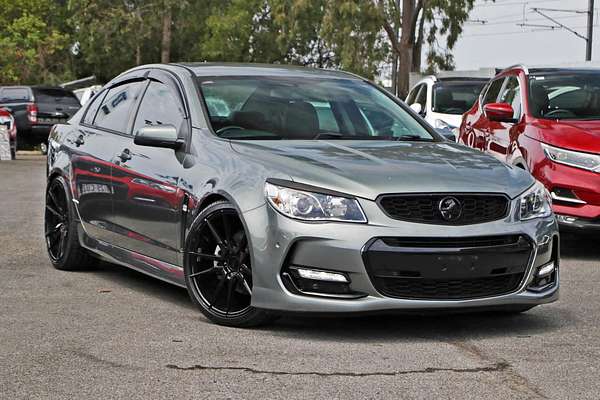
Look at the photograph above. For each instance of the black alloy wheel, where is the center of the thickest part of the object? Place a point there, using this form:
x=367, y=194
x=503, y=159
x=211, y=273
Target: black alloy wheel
x=218, y=269
x=60, y=229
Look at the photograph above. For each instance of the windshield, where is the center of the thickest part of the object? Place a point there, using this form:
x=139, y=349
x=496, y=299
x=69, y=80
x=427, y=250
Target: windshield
x=455, y=97
x=562, y=95
x=52, y=95
x=301, y=108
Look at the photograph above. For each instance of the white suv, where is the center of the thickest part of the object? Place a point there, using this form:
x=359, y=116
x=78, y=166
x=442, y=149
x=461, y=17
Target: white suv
x=443, y=101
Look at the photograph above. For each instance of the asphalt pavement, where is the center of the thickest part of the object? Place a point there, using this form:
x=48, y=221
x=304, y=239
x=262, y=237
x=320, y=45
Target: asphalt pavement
x=112, y=333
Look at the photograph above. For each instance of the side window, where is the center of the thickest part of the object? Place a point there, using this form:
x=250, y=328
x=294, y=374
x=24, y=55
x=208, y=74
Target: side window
x=413, y=95
x=160, y=106
x=493, y=91
x=512, y=95
x=422, y=97
x=91, y=111
x=116, y=107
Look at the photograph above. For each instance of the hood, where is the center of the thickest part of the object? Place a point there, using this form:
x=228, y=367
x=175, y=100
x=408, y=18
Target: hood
x=370, y=168
x=570, y=134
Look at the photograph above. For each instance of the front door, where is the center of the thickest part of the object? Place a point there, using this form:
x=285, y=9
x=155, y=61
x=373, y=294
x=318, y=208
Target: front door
x=500, y=132
x=148, y=200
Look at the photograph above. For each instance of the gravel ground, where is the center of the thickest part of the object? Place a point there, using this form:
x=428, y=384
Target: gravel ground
x=114, y=333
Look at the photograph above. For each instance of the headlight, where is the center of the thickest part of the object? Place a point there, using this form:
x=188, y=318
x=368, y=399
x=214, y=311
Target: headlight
x=535, y=203
x=311, y=206
x=591, y=162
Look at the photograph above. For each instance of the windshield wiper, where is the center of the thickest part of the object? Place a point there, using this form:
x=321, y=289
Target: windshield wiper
x=339, y=136
x=413, y=138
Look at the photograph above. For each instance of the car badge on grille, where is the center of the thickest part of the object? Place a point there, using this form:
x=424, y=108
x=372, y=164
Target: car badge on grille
x=450, y=208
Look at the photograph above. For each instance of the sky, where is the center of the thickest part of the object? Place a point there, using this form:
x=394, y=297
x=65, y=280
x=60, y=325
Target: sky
x=500, y=42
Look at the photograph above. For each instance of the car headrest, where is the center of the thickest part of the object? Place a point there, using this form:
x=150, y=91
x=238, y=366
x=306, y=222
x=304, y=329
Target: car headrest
x=249, y=119
x=301, y=120
x=538, y=99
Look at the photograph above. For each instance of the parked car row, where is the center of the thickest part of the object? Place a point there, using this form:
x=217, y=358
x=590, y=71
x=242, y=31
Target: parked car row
x=34, y=110
x=543, y=120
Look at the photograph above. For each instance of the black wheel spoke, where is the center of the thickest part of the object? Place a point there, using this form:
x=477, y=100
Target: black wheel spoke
x=54, y=230
x=206, y=271
x=246, y=286
x=53, y=211
x=207, y=256
x=227, y=229
x=53, y=198
x=230, y=286
x=214, y=233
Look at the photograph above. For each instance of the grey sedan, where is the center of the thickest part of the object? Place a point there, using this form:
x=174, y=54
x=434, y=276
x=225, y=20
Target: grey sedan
x=271, y=189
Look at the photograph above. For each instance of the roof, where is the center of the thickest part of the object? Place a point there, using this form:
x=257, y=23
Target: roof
x=233, y=69
x=578, y=70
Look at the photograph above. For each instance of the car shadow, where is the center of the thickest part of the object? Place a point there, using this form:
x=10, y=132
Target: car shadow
x=140, y=282
x=581, y=246
x=408, y=328
x=371, y=328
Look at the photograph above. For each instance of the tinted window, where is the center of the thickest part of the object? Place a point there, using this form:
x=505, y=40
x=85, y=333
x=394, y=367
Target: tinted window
x=14, y=95
x=160, y=106
x=54, y=95
x=116, y=108
x=93, y=109
x=493, y=91
x=455, y=97
x=565, y=95
x=305, y=108
x=413, y=95
x=422, y=97
x=511, y=94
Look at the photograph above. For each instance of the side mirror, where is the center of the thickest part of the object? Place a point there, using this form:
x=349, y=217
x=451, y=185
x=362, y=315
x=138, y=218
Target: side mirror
x=158, y=136
x=499, y=112
x=447, y=134
x=416, y=107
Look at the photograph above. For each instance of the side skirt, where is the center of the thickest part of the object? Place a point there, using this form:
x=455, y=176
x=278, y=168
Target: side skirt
x=157, y=269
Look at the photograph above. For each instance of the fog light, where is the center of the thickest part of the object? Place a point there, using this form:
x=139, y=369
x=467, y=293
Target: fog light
x=545, y=270
x=566, y=219
x=318, y=275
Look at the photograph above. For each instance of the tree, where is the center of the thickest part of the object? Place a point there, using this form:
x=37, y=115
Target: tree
x=34, y=42
x=411, y=17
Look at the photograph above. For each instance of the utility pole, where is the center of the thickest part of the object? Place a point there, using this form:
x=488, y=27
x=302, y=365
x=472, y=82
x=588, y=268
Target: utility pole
x=590, y=31
x=558, y=25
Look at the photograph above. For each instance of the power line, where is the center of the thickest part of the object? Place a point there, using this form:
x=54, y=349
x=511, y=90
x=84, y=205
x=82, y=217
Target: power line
x=511, y=3
x=521, y=32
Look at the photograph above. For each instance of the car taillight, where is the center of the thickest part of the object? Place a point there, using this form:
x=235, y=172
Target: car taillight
x=32, y=111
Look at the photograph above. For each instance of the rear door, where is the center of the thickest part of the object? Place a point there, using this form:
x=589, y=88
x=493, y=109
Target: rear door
x=148, y=200
x=54, y=105
x=93, y=146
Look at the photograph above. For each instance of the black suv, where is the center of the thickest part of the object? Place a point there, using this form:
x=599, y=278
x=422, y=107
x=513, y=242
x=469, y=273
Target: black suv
x=36, y=109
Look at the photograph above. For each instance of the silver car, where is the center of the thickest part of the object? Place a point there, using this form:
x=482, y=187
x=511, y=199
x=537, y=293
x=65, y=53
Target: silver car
x=305, y=191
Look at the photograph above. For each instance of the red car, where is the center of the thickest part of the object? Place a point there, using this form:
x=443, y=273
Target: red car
x=547, y=121
x=7, y=120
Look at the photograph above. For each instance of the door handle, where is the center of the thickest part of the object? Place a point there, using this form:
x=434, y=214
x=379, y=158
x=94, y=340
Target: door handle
x=79, y=141
x=125, y=155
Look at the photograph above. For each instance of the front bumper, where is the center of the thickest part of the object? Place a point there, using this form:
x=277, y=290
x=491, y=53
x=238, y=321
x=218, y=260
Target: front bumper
x=279, y=242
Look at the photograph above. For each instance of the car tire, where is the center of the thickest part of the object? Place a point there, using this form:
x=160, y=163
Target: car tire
x=217, y=268
x=60, y=229
x=44, y=148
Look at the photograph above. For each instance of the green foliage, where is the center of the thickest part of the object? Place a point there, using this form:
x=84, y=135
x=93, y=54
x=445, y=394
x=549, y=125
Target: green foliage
x=33, y=42
x=111, y=36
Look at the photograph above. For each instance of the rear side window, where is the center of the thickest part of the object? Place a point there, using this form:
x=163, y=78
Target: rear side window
x=160, y=106
x=93, y=109
x=115, y=110
x=413, y=95
x=422, y=97
x=14, y=95
x=55, y=95
x=493, y=91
